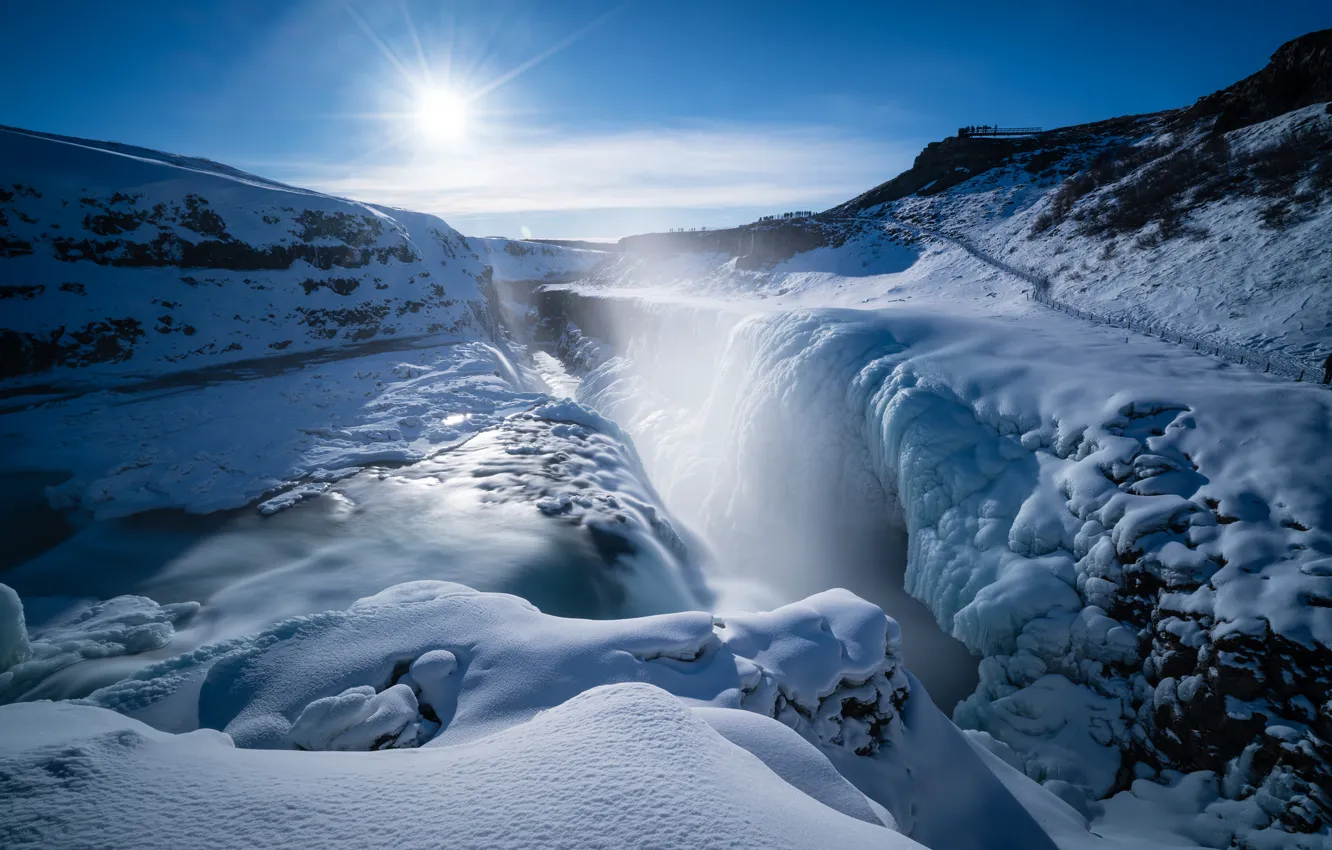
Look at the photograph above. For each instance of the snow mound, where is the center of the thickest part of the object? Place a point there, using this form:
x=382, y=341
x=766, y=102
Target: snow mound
x=440, y=665
x=793, y=759
x=358, y=719
x=828, y=667
x=619, y=766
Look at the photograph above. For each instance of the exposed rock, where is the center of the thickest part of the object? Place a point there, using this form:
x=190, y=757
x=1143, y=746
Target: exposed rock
x=1299, y=74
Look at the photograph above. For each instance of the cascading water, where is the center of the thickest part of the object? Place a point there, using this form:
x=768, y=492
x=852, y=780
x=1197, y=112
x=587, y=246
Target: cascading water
x=763, y=452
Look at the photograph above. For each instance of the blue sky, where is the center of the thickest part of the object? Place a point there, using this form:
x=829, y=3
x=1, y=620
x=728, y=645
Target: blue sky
x=599, y=119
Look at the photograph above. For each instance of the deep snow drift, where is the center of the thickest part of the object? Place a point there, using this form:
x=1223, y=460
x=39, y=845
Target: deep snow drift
x=506, y=702
x=548, y=783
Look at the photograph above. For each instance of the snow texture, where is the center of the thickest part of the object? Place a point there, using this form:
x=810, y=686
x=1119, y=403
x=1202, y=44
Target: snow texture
x=441, y=665
x=514, y=260
x=618, y=766
x=1136, y=538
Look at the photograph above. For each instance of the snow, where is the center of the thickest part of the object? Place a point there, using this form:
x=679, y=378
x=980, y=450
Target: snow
x=1241, y=283
x=515, y=260
x=814, y=689
x=795, y=760
x=514, y=660
x=192, y=445
x=359, y=719
x=278, y=270
x=551, y=781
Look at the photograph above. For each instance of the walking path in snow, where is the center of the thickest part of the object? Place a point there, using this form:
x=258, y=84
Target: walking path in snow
x=1040, y=292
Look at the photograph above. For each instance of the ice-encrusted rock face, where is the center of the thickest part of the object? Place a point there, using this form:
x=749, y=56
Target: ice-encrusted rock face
x=123, y=625
x=1188, y=639
x=1254, y=706
x=1207, y=684
x=124, y=258
x=14, y=646
x=1141, y=562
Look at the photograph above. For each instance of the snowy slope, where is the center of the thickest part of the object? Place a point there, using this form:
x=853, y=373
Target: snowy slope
x=514, y=260
x=126, y=261
x=1210, y=220
x=1224, y=270
x=550, y=783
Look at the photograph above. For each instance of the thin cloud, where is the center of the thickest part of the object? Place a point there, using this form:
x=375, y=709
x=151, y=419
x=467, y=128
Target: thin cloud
x=709, y=167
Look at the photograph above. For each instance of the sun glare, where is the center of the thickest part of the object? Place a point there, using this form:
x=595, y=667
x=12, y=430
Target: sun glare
x=440, y=115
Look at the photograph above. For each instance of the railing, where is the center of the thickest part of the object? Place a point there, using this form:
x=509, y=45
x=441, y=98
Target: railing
x=786, y=216
x=991, y=130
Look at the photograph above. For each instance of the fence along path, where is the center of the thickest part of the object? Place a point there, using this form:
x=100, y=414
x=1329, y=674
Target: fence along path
x=1259, y=361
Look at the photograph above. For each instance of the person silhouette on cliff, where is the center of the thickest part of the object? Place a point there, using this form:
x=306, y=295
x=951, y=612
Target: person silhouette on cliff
x=1327, y=370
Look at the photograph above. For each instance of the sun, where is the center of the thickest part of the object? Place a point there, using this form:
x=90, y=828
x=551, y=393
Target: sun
x=440, y=114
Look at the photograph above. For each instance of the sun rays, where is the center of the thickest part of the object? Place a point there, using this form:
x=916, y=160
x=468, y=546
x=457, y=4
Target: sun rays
x=433, y=104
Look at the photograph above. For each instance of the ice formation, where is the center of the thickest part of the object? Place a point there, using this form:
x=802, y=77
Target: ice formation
x=1101, y=537
x=125, y=625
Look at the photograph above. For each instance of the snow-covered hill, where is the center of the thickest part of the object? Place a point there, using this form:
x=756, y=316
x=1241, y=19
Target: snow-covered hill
x=523, y=261
x=1208, y=221
x=133, y=262
x=1212, y=219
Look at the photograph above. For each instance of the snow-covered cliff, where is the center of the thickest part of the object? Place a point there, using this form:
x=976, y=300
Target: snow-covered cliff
x=130, y=262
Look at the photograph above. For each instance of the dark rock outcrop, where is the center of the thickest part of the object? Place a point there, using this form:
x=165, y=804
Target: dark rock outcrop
x=1298, y=75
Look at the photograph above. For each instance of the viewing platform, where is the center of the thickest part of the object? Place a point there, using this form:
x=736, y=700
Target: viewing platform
x=991, y=130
